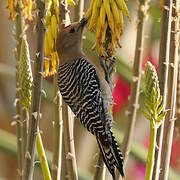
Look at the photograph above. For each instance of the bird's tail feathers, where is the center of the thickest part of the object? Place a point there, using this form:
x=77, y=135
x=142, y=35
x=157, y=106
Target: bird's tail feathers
x=118, y=156
x=112, y=156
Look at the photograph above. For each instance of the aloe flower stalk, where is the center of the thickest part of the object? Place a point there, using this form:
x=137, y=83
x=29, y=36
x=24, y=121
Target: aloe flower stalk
x=154, y=112
x=25, y=82
x=25, y=75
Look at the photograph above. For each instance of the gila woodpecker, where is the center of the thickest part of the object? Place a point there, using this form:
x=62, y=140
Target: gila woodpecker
x=87, y=94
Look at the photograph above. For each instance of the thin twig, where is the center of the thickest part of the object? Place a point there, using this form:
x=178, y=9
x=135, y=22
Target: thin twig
x=36, y=95
x=135, y=85
x=172, y=88
x=18, y=37
x=163, y=76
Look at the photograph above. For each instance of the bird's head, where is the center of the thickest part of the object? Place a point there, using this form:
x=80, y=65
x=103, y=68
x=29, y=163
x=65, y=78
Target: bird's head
x=70, y=37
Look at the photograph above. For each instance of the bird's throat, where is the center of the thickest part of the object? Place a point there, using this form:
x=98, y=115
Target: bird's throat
x=68, y=56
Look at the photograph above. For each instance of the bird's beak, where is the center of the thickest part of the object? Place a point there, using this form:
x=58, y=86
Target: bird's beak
x=82, y=23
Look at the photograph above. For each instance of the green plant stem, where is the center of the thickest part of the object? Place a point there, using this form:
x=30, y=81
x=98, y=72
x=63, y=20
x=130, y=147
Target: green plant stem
x=135, y=85
x=42, y=157
x=172, y=89
x=163, y=76
x=36, y=95
x=25, y=119
x=18, y=37
x=151, y=152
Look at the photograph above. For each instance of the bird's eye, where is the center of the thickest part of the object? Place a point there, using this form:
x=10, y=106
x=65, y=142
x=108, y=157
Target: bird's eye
x=72, y=30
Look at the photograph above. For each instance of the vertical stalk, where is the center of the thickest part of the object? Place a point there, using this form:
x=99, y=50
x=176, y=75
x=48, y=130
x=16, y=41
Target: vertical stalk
x=25, y=119
x=99, y=167
x=69, y=143
x=63, y=169
x=178, y=100
x=79, y=10
x=57, y=133
x=58, y=122
x=63, y=163
x=172, y=88
x=151, y=152
x=163, y=76
x=36, y=94
x=18, y=37
x=135, y=85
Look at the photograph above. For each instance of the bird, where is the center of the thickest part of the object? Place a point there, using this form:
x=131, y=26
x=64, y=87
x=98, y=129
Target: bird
x=87, y=93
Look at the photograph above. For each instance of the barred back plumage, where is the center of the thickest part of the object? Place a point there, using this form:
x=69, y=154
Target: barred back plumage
x=80, y=88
